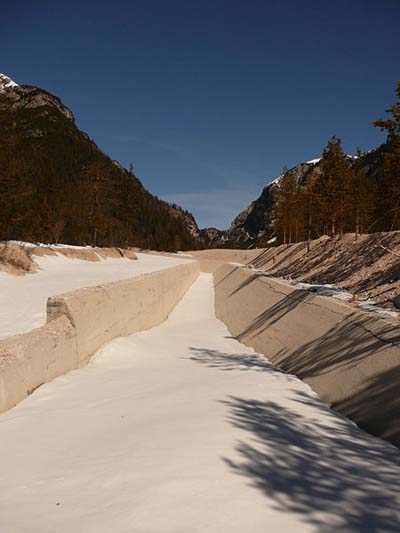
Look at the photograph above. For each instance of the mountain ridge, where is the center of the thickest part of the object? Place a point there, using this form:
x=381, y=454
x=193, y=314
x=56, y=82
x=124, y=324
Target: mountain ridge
x=58, y=186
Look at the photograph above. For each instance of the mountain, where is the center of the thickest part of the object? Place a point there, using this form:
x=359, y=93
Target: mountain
x=213, y=237
x=254, y=225
x=187, y=219
x=56, y=185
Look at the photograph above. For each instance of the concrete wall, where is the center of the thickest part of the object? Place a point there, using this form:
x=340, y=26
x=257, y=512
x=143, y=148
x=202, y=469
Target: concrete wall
x=349, y=357
x=80, y=322
x=102, y=313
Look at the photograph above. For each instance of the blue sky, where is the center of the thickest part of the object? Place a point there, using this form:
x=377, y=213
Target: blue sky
x=210, y=99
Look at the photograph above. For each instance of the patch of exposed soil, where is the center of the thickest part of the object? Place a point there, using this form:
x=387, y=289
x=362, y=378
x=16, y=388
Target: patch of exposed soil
x=15, y=259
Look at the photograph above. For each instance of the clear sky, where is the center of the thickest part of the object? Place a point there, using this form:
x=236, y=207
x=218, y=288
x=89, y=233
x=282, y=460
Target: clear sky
x=210, y=99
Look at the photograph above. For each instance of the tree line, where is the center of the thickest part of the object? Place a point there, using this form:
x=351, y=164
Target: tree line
x=343, y=194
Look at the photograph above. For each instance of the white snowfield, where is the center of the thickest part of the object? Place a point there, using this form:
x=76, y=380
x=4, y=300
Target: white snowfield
x=23, y=298
x=182, y=429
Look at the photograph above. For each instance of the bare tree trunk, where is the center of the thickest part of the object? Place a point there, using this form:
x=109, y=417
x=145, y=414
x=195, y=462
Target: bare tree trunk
x=357, y=225
x=395, y=216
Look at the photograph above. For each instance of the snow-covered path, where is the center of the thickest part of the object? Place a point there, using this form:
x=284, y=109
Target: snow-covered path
x=23, y=298
x=181, y=429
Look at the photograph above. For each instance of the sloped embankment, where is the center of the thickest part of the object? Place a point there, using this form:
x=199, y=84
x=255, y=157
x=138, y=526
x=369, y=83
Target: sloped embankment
x=368, y=267
x=349, y=357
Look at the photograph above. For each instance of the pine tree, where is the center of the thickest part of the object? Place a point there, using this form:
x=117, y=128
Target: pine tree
x=285, y=207
x=363, y=196
x=389, y=187
x=334, y=187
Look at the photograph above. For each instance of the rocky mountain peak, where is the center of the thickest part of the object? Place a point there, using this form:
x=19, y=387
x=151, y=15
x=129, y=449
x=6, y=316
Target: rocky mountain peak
x=29, y=97
x=6, y=82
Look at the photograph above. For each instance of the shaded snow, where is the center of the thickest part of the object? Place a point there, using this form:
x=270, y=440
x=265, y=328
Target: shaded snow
x=371, y=305
x=324, y=290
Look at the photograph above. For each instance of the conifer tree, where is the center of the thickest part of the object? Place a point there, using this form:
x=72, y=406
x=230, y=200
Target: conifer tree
x=363, y=195
x=285, y=207
x=389, y=186
x=334, y=187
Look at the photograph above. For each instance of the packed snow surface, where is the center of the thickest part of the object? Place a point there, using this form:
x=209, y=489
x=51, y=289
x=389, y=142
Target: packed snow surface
x=23, y=298
x=183, y=429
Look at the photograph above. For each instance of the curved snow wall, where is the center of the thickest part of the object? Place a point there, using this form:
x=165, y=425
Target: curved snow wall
x=80, y=322
x=350, y=358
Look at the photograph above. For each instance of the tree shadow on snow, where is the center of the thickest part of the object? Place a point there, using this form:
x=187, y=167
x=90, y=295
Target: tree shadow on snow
x=310, y=461
x=332, y=474
x=231, y=361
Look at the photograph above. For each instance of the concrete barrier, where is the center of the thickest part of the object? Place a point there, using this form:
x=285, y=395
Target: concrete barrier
x=102, y=313
x=29, y=360
x=80, y=322
x=349, y=357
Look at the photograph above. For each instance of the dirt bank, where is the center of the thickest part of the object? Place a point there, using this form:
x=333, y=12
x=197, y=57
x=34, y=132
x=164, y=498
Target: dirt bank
x=19, y=258
x=367, y=267
x=16, y=259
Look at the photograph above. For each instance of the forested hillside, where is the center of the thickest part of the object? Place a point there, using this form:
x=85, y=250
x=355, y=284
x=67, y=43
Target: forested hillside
x=329, y=196
x=57, y=186
x=358, y=195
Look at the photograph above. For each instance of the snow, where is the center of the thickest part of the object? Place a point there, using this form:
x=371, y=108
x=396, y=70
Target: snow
x=26, y=244
x=334, y=292
x=183, y=429
x=6, y=82
x=371, y=305
x=314, y=161
x=183, y=254
x=323, y=290
x=23, y=298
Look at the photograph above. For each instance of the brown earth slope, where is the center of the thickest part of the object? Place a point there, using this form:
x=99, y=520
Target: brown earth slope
x=368, y=267
x=19, y=259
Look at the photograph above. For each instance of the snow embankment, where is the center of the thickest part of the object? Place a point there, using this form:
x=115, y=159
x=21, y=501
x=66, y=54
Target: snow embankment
x=23, y=299
x=184, y=429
